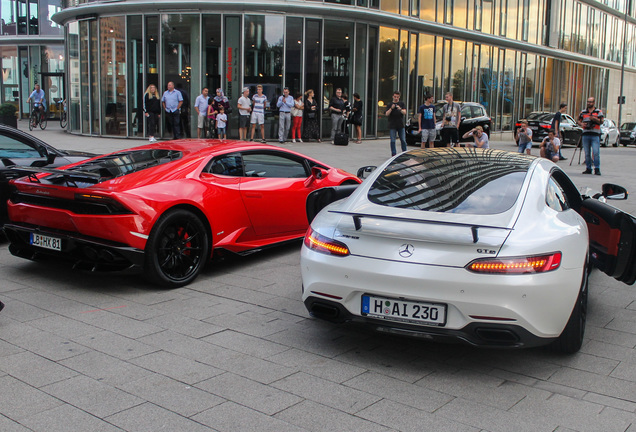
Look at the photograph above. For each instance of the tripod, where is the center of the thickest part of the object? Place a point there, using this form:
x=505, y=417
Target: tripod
x=579, y=147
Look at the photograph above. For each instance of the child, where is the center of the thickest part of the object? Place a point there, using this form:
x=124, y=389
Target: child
x=211, y=118
x=297, y=117
x=221, y=122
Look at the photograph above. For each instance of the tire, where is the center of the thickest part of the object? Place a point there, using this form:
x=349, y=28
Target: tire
x=177, y=249
x=618, y=141
x=43, y=122
x=571, y=338
x=606, y=142
x=63, y=120
x=33, y=121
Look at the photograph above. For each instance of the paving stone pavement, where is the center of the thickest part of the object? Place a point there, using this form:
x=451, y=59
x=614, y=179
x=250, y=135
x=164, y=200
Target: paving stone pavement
x=236, y=350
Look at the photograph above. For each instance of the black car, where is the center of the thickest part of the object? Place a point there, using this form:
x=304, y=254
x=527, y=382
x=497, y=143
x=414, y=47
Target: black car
x=628, y=133
x=540, y=122
x=18, y=148
x=472, y=114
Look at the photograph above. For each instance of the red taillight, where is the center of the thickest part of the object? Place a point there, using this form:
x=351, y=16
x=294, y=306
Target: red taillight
x=517, y=124
x=517, y=265
x=320, y=243
x=545, y=126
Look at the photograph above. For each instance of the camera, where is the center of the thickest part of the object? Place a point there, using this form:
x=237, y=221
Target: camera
x=448, y=118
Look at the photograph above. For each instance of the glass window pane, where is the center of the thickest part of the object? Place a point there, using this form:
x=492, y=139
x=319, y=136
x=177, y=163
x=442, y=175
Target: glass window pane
x=263, y=47
x=9, y=25
x=389, y=70
x=181, y=53
x=113, y=75
x=47, y=9
x=294, y=55
x=337, y=59
x=135, y=76
x=392, y=6
x=10, y=75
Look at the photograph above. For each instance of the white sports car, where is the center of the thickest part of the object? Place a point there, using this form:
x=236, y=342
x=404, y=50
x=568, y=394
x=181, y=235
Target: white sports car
x=489, y=247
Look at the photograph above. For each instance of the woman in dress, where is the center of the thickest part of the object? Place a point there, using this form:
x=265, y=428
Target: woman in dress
x=312, y=115
x=152, y=110
x=356, y=117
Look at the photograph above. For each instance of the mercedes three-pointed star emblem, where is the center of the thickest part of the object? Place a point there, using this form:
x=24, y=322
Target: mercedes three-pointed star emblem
x=406, y=250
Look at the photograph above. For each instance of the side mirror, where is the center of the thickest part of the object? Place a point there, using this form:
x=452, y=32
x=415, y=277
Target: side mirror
x=318, y=173
x=613, y=191
x=321, y=198
x=365, y=171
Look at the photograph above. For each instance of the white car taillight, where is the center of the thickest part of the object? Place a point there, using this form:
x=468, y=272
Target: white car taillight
x=326, y=245
x=516, y=265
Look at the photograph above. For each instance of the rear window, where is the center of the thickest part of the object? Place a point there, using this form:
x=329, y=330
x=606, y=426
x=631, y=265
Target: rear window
x=628, y=126
x=540, y=116
x=127, y=162
x=452, y=181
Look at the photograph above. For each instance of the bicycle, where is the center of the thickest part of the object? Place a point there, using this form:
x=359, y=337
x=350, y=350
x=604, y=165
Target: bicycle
x=37, y=117
x=63, y=118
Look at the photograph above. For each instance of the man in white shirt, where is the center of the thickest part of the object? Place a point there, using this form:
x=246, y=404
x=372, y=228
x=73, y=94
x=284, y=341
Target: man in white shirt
x=201, y=107
x=245, y=108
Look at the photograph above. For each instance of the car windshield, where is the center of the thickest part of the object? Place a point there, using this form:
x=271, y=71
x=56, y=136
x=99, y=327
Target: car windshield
x=452, y=181
x=628, y=126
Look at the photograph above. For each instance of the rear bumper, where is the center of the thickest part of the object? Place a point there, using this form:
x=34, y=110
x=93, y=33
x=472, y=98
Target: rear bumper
x=491, y=335
x=83, y=251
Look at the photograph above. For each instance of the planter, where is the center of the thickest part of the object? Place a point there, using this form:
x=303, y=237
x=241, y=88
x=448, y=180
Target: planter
x=11, y=120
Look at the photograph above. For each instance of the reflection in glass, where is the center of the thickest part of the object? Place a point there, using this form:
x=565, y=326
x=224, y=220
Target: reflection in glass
x=212, y=53
x=337, y=64
x=264, y=42
x=135, y=76
x=294, y=55
x=8, y=23
x=388, y=73
x=113, y=74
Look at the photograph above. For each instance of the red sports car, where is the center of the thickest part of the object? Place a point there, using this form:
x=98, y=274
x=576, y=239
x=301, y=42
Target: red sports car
x=166, y=207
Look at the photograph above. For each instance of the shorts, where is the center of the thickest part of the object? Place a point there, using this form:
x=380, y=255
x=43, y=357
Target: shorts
x=525, y=146
x=428, y=135
x=549, y=154
x=258, y=118
x=201, y=120
x=220, y=131
x=449, y=135
x=244, y=121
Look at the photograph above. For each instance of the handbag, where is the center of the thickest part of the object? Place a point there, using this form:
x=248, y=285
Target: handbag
x=311, y=115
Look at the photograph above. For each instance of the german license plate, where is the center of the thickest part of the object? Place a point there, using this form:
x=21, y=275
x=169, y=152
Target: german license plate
x=414, y=312
x=46, y=242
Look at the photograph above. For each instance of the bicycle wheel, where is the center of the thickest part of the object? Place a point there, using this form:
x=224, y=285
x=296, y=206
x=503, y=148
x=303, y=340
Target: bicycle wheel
x=33, y=121
x=43, y=121
x=63, y=119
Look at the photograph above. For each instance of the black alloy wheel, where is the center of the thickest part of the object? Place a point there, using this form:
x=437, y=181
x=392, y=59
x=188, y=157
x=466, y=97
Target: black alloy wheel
x=571, y=338
x=177, y=249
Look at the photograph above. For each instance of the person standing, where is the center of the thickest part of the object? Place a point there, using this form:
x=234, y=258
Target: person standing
x=524, y=137
x=356, y=117
x=152, y=110
x=590, y=119
x=258, y=112
x=245, y=108
x=336, y=107
x=396, y=113
x=221, y=123
x=312, y=131
x=285, y=104
x=211, y=120
x=185, y=110
x=556, y=126
x=426, y=120
x=297, y=117
x=450, y=121
x=479, y=137
x=172, y=101
x=201, y=107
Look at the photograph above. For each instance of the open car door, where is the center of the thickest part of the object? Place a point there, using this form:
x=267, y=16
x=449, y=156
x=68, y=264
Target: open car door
x=612, y=239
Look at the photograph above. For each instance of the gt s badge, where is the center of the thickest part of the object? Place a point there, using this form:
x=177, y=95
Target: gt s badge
x=486, y=251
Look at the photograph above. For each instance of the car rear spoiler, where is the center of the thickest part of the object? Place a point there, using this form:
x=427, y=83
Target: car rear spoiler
x=474, y=228
x=69, y=176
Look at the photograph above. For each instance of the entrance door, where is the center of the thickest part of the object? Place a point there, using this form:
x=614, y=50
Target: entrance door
x=53, y=86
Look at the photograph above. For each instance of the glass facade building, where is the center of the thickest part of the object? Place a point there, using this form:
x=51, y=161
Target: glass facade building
x=32, y=50
x=513, y=56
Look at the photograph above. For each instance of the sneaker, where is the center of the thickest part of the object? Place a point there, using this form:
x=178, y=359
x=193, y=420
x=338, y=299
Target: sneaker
x=597, y=171
x=293, y=140
x=263, y=141
x=299, y=140
x=587, y=171
x=562, y=158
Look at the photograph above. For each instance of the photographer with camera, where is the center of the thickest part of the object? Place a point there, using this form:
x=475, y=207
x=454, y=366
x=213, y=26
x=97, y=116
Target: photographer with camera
x=451, y=121
x=590, y=120
x=395, y=113
x=481, y=138
x=523, y=136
